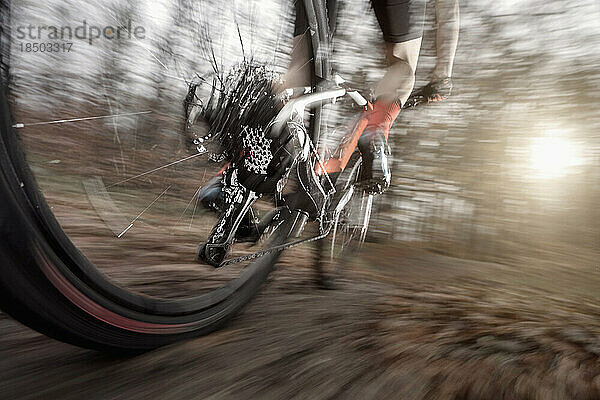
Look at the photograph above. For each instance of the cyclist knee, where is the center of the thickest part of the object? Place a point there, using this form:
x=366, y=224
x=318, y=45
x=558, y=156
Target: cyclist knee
x=397, y=83
x=405, y=52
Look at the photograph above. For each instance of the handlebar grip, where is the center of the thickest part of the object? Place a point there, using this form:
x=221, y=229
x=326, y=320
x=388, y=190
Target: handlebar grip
x=354, y=95
x=358, y=98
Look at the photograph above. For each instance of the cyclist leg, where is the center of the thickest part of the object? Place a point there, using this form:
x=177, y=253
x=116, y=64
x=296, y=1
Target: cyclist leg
x=299, y=70
x=399, y=80
x=439, y=88
x=299, y=73
x=402, y=25
x=447, y=16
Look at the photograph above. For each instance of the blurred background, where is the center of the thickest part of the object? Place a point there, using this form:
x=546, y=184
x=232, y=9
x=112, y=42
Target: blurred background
x=484, y=254
x=507, y=167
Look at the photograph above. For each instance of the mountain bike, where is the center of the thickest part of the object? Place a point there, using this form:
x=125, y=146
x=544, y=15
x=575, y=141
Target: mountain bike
x=98, y=231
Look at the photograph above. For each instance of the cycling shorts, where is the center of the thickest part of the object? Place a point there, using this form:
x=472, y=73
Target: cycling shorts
x=399, y=20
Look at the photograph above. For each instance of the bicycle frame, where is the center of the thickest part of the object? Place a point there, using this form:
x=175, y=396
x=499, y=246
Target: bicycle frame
x=301, y=204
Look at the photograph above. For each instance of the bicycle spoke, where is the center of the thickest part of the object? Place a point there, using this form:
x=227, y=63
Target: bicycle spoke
x=155, y=170
x=367, y=218
x=116, y=129
x=188, y=205
x=63, y=121
x=335, y=227
x=143, y=211
x=194, y=212
x=302, y=66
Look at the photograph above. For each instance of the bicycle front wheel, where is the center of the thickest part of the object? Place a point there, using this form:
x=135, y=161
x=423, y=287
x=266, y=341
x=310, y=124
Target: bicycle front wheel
x=99, y=172
x=350, y=212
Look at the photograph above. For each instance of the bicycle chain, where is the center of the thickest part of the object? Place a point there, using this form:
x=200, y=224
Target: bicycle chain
x=281, y=247
x=278, y=248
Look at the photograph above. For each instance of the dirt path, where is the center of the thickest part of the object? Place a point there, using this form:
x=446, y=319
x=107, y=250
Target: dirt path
x=410, y=325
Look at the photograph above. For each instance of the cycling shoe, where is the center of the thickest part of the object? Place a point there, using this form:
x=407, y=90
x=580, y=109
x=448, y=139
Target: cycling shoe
x=436, y=90
x=375, y=174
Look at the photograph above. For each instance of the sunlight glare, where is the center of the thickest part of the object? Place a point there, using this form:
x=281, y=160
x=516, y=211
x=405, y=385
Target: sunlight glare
x=552, y=155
